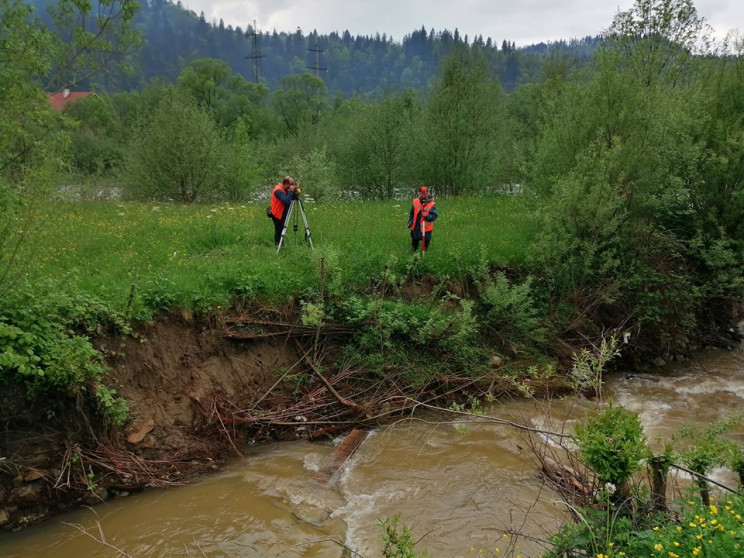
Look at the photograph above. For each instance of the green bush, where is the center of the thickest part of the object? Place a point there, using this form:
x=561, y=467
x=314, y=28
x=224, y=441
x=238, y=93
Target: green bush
x=508, y=310
x=399, y=543
x=612, y=443
x=45, y=335
x=393, y=334
x=177, y=154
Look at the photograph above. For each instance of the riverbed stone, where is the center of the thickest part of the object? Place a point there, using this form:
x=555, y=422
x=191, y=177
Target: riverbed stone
x=26, y=494
x=658, y=362
x=496, y=361
x=4, y=517
x=95, y=496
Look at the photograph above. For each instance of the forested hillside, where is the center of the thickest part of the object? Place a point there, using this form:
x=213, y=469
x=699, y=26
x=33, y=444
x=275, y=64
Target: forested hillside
x=350, y=65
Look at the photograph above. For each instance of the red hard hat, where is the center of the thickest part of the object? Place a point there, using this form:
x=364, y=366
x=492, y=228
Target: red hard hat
x=423, y=190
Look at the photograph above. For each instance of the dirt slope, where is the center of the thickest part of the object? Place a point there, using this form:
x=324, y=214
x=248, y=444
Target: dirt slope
x=171, y=373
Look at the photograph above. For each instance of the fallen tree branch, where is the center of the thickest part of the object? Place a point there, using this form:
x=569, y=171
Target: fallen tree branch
x=341, y=399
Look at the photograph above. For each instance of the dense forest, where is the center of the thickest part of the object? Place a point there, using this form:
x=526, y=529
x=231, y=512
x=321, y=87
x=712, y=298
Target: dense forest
x=173, y=37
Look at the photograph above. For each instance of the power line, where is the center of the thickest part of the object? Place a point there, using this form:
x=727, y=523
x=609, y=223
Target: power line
x=317, y=67
x=255, y=55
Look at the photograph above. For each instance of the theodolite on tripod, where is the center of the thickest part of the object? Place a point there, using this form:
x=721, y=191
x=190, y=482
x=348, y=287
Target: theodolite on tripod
x=292, y=211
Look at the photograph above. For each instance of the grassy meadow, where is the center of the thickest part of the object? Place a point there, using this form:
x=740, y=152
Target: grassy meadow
x=200, y=256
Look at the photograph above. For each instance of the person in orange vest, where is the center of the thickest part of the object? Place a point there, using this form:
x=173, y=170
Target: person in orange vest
x=281, y=199
x=421, y=219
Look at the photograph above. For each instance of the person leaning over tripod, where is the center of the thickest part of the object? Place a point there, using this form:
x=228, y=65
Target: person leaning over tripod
x=423, y=212
x=281, y=199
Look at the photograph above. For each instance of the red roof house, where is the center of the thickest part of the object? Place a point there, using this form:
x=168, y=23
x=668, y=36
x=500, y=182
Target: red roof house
x=61, y=98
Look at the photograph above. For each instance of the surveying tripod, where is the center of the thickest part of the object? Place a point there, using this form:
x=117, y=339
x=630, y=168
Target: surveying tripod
x=296, y=202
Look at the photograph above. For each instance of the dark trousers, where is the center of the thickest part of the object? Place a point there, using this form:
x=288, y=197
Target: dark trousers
x=278, y=226
x=416, y=238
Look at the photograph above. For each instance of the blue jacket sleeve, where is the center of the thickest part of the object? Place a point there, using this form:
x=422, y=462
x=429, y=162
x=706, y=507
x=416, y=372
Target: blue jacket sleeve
x=284, y=197
x=432, y=216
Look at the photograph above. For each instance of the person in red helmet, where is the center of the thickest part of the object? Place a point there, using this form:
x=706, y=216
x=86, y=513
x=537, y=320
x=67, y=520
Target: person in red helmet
x=421, y=219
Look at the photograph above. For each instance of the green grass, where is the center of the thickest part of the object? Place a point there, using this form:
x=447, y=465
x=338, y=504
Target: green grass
x=202, y=255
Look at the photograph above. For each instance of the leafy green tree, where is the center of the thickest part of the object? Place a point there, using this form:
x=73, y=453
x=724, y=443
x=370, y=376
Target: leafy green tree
x=458, y=137
x=96, y=145
x=616, y=165
x=25, y=116
x=300, y=100
x=658, y=38
x=86, y=43
x=612, y=443
x=228, y=97
x=177, y=155
x=719, y=200
x=376, y=145
x=131, y=107
x=206, y=80
x=38, y=58
x=316, y=173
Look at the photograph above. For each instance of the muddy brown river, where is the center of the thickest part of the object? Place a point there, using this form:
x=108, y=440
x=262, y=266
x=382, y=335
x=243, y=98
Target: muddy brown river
x=459, y=485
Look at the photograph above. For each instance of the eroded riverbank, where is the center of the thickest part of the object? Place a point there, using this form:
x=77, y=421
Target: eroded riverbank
x=459, y=484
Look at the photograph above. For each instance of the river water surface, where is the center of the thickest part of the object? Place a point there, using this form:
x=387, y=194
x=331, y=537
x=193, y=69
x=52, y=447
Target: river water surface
x=459, y=485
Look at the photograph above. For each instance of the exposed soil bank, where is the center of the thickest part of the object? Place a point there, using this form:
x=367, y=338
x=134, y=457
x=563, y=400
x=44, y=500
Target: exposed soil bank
x=172, y=373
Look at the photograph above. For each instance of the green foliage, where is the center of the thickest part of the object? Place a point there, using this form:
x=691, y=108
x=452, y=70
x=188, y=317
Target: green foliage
x=508, y=310
x=176, y=155
x=612, y=443
x=95, y=145
x=394, y=335
x=46, y=347
x=113, y=407
x=602, y=534
x=57, y=56
x=463, y=125
x=26, y=163
x=586, y=372
x=618, y=174
x=375, y=146
x=90, y=39
x=232, y=101
x=711, y=530
x=399, y=543
x=300, y=100
x=656, y=38
x=159, y=294
x=701, y=449
x=242, y=171
x=316, y=173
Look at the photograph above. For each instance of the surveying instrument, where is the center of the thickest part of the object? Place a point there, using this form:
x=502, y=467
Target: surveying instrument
x=293, y=211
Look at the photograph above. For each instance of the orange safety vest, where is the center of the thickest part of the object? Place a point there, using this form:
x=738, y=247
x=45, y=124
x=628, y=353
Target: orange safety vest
x=424, y=210
x=277, y=207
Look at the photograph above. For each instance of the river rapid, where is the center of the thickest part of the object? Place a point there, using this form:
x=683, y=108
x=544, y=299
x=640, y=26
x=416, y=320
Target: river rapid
x=461, y=485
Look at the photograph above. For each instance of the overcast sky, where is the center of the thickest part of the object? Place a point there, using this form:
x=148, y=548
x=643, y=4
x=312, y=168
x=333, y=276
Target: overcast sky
x=521, y=21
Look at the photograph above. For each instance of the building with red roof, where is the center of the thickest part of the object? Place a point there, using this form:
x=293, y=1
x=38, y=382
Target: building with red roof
x=60, y=99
